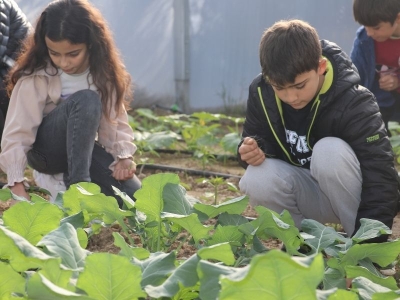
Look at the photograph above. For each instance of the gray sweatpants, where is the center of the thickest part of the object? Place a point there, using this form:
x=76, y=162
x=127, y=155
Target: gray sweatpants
x=330, y=192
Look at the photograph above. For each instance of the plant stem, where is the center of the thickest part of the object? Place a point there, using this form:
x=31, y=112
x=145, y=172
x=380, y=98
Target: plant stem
x=181, y=243
x=159, y=236
x=239, y=261
x=215, y=194
x=126, y=230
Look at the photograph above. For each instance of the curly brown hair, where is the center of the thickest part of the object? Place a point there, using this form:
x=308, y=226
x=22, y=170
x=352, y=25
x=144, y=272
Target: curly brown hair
x=78, y=22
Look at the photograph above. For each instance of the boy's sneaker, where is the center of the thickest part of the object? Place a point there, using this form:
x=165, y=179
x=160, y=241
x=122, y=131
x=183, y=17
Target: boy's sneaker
x=52, y=183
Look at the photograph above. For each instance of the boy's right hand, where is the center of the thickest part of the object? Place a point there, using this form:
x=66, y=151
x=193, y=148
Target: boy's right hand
x=250, y=152
x=19, y=189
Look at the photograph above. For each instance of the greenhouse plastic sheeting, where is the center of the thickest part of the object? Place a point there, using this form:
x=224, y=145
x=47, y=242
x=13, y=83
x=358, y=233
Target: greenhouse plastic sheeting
x=214, y=63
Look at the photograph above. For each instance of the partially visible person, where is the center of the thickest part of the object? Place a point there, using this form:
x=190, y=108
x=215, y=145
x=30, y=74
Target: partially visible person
x=67, y=116
x=14, y=27
x=376, y=53
x=313, y=140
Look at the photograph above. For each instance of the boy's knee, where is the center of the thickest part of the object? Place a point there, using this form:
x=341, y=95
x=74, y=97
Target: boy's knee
x=263, y=180
x=331, y=152
x=332, y=156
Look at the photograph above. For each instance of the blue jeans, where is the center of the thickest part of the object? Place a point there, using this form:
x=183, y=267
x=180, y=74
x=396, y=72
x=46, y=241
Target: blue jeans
x=65, y=143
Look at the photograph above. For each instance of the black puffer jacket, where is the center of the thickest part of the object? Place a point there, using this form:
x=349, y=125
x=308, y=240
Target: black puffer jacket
x=14, y=27
x=347, y=111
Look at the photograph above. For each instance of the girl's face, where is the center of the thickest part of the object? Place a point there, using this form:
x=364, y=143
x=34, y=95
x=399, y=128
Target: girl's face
x=70, y=58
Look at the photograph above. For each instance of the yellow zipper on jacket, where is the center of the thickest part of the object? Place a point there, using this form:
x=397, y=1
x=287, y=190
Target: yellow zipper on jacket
x=272, y=129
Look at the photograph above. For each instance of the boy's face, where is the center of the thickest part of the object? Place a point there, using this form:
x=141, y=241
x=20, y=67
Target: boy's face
x=304, y=88
x=384, y=30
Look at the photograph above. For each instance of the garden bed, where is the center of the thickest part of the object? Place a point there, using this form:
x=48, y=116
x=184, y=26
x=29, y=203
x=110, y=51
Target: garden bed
x=211, y=245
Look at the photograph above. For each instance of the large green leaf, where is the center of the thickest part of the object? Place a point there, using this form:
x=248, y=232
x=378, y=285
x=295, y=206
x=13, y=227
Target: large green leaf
x=383, y=253
x=270, y=223
x=209, y=274
x=175, y=200
x=191, y=223
x=5, y=194
x=32, y=221
x=53, y=271
x=386, y=295
x=366, y=288
x=370, y=229
x=149, y=198
x=21, y=254
x=223, y=234
x=336, y=294
x=227, y=219
x=230, y=142
x=106, y=206
x=156, y=269
x=160, y=140
x=128, y=201
x=185, y=274
x=147, y=113
x=233, y=206
x=334, y=278
x=127, y=250
x=40, y=288
x=324, y=236
x=111, y=277
x=206, y=116
x=10, y=281
x=76, y=220
x=63, y=242
x=76, y=192
x=275, y=275
x=354, y=271
x=222, y=252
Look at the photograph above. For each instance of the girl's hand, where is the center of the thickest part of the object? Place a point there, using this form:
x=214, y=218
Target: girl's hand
x=19, y=189
x=124, y=169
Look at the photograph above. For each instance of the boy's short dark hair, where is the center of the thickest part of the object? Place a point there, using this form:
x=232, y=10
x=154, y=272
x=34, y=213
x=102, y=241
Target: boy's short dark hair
x=287, y=49
x=371, y=12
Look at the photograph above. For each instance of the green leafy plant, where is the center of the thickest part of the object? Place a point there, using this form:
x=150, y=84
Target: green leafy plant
x=215, y=182
x=43, y=255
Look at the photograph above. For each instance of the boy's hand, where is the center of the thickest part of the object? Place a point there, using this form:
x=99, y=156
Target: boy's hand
x=389, y=82
x=19, y=189
x=124, y=169
x=250, y=152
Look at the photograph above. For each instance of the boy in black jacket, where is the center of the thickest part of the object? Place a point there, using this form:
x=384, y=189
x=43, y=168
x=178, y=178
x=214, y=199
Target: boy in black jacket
x=314, y=142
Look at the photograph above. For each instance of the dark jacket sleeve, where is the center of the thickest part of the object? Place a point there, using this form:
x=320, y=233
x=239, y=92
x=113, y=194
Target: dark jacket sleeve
x=256, y=125
x=18, y=28
x=363, y=129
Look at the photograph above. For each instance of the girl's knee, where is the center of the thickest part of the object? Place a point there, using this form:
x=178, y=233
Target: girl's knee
x=88, y=98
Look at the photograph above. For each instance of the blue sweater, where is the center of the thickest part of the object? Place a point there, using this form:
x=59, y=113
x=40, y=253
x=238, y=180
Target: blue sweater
x=363, y=56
